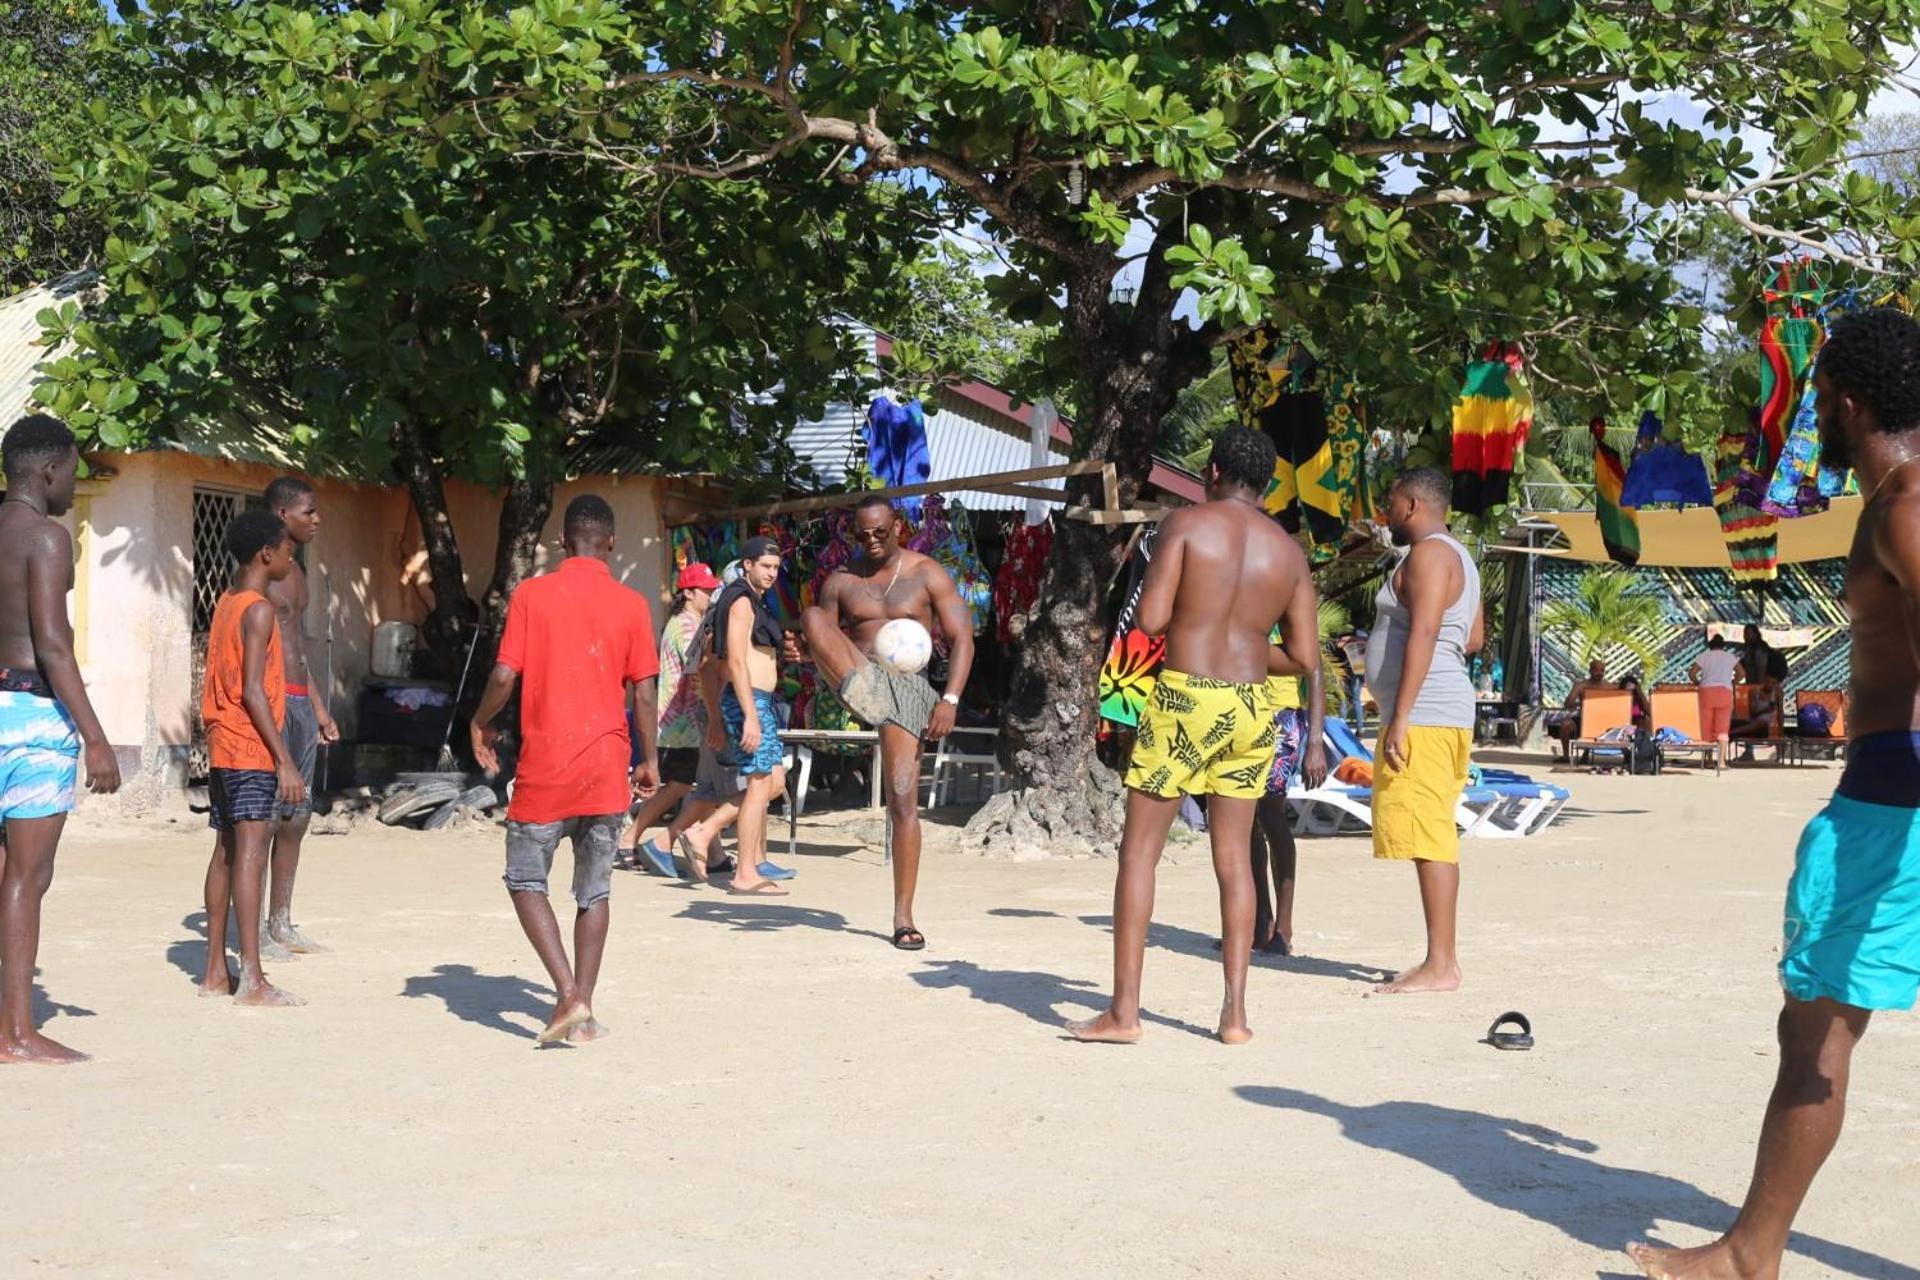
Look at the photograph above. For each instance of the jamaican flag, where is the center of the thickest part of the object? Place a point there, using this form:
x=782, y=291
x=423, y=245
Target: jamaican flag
x=1619, y=526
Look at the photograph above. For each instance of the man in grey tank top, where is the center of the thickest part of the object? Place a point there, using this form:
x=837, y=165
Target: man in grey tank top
x=1427, y=620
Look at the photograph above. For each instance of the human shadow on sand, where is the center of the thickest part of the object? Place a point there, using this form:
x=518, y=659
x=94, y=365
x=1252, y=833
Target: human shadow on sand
x=485, y=999
x=1205, y=946
x=768, y=917
x=1032, y=992
x=1545, y=1175
x=189, y=955
x=44, y=1007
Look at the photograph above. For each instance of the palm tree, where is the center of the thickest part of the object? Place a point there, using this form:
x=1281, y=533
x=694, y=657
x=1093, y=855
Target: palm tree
x=1609, y=613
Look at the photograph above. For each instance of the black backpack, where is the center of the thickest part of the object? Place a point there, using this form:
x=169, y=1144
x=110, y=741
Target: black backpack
x=1644, y=756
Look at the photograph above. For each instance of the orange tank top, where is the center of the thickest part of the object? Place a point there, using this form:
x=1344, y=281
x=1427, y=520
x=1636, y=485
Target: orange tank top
x=232, y=741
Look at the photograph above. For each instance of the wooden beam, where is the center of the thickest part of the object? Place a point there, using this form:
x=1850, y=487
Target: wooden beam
x=829, y=501
x=1134, y=516
x=1023, y=491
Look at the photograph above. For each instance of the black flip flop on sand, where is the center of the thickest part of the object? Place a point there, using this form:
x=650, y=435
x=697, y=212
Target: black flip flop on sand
x=908, y=938
x=1511, y=1040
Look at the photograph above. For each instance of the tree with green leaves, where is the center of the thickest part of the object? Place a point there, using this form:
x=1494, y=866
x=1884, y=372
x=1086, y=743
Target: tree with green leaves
x=1399, y=182
x=1613, y=610
x=48, y=74
x=310, y=232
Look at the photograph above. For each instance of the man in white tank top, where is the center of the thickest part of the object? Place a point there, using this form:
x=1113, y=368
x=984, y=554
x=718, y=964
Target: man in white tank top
x=1427, y=620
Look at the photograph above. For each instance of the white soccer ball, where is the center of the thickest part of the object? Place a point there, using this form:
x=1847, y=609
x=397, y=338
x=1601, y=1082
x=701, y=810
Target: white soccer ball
x=903, y=647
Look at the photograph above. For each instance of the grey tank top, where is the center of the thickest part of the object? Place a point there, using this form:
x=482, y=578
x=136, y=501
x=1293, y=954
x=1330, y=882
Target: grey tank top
x=1446, y=696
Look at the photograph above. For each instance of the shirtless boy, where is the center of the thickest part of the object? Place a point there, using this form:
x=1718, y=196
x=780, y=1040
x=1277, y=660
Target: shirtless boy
x=243, y=703
x=886, y=582
x=1852, y=942
x=308, y=723
x=45, y=717
x=1223, y=574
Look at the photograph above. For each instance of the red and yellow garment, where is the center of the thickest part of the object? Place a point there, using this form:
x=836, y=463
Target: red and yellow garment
x=1491, y=420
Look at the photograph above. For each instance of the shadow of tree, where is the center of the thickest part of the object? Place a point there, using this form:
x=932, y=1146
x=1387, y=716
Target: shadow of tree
x=1032, y=993
x=1205, y=946
x=767, y=917
x=1547, y=1176
x=485, y=999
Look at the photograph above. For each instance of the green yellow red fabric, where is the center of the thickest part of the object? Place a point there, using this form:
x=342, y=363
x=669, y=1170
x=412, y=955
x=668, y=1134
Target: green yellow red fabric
x=1619, y=526
x=1311, y=412
x=1491, y=419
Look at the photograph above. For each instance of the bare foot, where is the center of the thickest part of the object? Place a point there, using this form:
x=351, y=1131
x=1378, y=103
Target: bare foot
x=590, y=1030
x=287, y=935
x=1715, y=1261
x=261, y=994
x=566, y=1018
x=220, y=986
x=1233, y=1027
x=36, y=1048
x=1105, y=1029
x=272, y=949
x=1427, y=977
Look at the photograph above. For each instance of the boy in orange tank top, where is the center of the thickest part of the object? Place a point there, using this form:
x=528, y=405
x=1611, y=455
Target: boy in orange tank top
x=243, y=705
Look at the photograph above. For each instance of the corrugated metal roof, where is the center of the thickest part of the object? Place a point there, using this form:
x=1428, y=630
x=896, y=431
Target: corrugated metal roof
x=20, y=351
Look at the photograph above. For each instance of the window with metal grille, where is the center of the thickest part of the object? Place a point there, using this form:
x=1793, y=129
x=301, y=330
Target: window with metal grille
x=213, y=512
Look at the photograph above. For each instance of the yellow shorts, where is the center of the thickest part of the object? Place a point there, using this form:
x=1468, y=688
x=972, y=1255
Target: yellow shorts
x=1413, y=808
x=1200, y=736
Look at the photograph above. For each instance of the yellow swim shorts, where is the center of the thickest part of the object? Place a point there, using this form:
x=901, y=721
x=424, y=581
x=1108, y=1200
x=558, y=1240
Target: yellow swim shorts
x=1413, y=808
x=1200, y=736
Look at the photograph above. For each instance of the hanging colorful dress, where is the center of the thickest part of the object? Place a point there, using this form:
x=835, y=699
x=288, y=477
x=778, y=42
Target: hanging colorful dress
x=1017, y=585
x=897, y=448
x=1753, y=542
x=1491, y=419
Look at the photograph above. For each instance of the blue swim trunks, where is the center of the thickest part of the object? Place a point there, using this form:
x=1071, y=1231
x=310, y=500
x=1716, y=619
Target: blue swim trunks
x=1853, y=907
x=767, y=758
x=39, y=756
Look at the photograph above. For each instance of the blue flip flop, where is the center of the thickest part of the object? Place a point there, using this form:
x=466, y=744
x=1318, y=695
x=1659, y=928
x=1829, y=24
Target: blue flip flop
x=657, y=858
x=772, y=872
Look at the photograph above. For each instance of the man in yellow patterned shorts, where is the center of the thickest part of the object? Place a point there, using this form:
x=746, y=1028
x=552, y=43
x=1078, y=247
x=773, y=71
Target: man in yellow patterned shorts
x=1223, y=574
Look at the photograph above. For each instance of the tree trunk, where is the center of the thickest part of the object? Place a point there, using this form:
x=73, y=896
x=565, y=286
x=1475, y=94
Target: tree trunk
x=1066, y=803
x=449, y=623
x=523, y=514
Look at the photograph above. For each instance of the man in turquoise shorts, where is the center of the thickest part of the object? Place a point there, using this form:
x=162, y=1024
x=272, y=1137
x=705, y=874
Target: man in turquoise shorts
x=1852, y=942
x=46, y=721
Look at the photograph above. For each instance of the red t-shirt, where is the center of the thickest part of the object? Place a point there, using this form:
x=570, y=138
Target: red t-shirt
x=578, y=639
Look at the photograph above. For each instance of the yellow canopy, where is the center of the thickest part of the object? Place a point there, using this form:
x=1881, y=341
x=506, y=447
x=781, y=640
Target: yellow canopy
x=1690, y=539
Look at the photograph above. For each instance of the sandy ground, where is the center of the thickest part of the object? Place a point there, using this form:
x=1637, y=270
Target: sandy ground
x=786, y=1095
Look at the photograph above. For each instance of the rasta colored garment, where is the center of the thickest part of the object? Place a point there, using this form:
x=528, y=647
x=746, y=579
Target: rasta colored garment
x=1619, y=527
x=897, y=446
x=1491, y=420
x=1753, y=544
x=1133, y=658
x=1202, y=736
x=232, y=741
x=1311, y=413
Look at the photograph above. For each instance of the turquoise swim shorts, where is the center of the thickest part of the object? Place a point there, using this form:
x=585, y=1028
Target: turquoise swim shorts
x=1853, y=907
x=39, y=756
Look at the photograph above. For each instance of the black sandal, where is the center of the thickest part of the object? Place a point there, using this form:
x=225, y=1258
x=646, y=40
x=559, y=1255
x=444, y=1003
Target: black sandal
x=1511, y=1040
x=908, y=938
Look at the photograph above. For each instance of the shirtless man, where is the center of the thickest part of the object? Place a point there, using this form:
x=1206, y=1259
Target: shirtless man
x=887, y=582
x=1852, y=941
x=1223, y=574
x=45, y=718
x=308, y=723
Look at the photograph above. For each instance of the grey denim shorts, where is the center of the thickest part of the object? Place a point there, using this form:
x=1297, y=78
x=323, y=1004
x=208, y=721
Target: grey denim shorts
x=530, y=847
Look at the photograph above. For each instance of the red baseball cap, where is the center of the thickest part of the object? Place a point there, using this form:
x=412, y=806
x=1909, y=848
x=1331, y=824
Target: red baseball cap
x=697, y=576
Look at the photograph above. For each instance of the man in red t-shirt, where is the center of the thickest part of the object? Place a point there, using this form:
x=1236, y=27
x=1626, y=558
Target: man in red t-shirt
x=581, y=645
